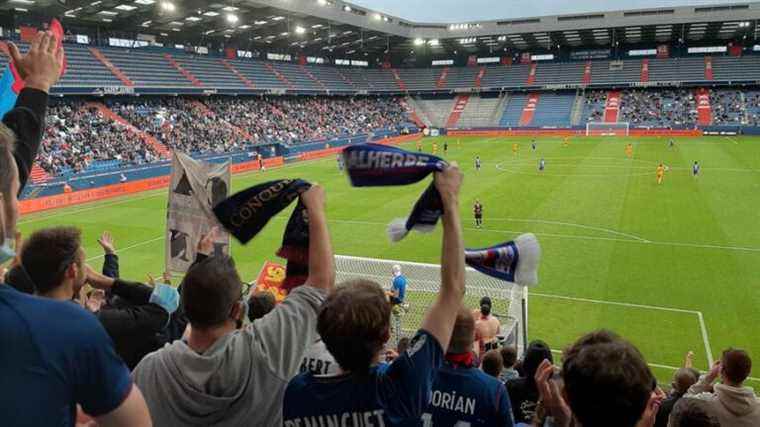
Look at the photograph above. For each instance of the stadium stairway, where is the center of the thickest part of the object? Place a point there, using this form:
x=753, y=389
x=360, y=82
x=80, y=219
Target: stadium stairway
x=249, y=84
x=576, y=113
x=587, y=73
x=279, y=76
x=644, y=78
x=188, y=75
x=400, y=83
x=313, y=77
x=513, y=110
x=38, y=175
x=704, y=111
x=612, y=106
x=459, y=105
x=441, y=82
x=479, y=77
x=529, y=111
x=111, y=67
x=160, y=148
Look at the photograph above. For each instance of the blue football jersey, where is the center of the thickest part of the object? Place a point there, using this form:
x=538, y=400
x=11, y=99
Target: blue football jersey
x=467, y=397
x=398, y=394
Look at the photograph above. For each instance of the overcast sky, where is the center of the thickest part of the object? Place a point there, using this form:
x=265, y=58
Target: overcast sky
x=452, y=11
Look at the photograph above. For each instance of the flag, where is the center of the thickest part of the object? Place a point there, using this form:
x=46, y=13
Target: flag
x=194, y=189
x=515, y=261
x=11, y=82
x=370, y=165
x=270, y=279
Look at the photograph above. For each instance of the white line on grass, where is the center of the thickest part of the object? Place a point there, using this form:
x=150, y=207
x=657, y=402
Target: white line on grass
x=622, y=304
x=572, y=224
x=126, y=248
x=706, y=341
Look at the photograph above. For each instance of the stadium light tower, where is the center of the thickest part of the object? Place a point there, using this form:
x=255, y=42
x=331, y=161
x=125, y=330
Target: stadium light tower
x=168, y=6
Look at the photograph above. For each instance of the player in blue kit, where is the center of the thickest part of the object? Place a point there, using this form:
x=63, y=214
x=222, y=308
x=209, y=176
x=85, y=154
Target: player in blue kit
x=462, y=393
x=354, y=324
x=477, y=163
x=695, y=169
x=541, y=165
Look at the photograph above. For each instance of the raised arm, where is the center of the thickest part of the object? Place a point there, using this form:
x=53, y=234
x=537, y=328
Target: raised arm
x=439, y=320
x=321, y=258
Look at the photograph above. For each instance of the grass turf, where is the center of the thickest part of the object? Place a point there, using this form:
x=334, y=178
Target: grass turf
x=609, y=233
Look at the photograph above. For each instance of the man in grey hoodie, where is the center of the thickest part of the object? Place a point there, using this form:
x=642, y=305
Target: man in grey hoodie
x=734, y=404
x=218, y=375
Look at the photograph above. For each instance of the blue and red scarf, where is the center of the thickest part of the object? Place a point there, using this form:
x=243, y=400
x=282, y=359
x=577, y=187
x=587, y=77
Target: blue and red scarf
x=515, y=261
x=376, y=165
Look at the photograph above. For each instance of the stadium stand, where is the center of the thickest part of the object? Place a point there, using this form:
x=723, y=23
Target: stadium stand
x=554, y=109
x=513, y=110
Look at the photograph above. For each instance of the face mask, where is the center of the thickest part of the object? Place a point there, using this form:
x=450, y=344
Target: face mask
x=6, y=251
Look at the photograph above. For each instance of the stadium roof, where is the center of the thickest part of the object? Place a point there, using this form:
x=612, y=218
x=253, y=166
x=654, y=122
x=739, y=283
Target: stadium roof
x=455, y=11
x=335, y=27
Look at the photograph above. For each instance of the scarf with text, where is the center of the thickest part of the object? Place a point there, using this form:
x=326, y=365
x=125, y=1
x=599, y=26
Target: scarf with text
x=376, y=165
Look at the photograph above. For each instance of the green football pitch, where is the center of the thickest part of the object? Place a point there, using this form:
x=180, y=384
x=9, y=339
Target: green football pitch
x=672, y=267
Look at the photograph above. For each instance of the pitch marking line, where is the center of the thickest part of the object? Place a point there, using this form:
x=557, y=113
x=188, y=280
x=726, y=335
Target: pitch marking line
x=571, y=224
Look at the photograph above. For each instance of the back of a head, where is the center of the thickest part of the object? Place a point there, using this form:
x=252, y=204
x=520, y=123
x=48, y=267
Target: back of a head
x=354, y=324
x=607, y=382
x=508, y=356
x=736, y=366
x=492, y=363
x=17, y=278
x=463, y=334
x=260, y=304
x=691, y=412
x=485, y=306
x=209, y=291
x=536, y=352
x=683, y=379
x=48, y=253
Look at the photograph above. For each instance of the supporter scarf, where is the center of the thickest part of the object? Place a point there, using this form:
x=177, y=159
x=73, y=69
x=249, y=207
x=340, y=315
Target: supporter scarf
x=11, y=82
x=246, y=213
x=514, y=261
x=375, y=165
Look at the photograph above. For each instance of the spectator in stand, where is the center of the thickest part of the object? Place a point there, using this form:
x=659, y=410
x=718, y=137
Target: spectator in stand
x=462, y=394
x=486, y=327
x=354, y=323
x=64, y=357
x=492, y=363
x=690, y=412
x=509, y=359
x=522, y=391
x=734, y=404
x=260, y=303
x=682, y=380
x=221, y=375
x=606, y=383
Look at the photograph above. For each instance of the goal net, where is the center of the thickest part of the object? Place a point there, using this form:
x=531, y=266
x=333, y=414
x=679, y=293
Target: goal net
x=509, y=301
x=607, y=129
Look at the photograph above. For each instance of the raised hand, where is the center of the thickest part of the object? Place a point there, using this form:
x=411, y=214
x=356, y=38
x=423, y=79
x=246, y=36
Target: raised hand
x=206, y=244
x=551, y=396
x=448, y=183
x=40, y=68
x=314, y=197
x=106, y=242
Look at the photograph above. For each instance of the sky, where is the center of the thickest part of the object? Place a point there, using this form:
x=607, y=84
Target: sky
x=460, y=11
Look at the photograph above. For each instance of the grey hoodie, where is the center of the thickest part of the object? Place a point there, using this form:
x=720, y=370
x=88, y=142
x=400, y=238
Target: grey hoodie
x=734, y=406
x=241, y=378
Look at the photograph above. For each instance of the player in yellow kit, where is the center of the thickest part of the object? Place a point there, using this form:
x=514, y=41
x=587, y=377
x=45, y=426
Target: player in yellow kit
x=660, y=173
x=435, y=148
x=629, y=150
x=515, y=147
x=566, y=142
x=419, y=146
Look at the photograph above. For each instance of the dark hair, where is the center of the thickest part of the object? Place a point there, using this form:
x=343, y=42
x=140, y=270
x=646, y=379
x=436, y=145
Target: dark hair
x=535, y=354
x=692, y=412
x=683, y=379
x=17, y=278
x=259, y=304
x=7, y=168
x=492, y=363
x=508, y=356
x=402, y=345
x=210, y=290
x=736, y=365
x=607, y=381
x=463, y=334
x=485, y=306
x=48, y=253
x=354, y=324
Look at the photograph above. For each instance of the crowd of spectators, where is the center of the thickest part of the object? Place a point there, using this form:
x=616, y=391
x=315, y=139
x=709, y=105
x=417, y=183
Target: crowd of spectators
x=88, y=348
x=76, y=136
x=661, y=108
x=728, y=107
x=595, y=103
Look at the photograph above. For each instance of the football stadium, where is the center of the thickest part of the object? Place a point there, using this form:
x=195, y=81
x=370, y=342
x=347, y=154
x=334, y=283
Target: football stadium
x=374, y=212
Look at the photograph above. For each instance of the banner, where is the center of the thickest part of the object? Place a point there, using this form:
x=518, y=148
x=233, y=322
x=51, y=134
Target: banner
x=270, y=279
x=195, y=188
x=590, y=54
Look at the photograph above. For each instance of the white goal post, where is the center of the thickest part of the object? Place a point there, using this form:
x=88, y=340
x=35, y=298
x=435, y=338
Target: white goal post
x=607, y=128
x=509, y=301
